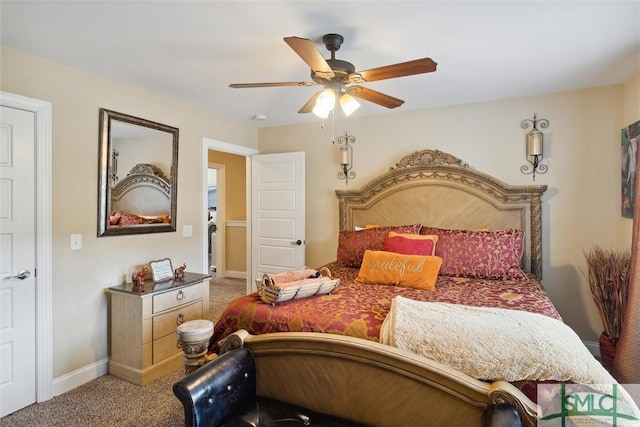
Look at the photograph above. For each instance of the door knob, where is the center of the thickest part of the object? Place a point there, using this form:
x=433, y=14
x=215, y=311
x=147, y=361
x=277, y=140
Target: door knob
x=297, y=242
x=22, y=274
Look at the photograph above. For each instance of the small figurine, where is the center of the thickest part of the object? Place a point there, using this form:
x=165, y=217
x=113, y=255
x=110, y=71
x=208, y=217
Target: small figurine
x=140, y=275
x=179, y=272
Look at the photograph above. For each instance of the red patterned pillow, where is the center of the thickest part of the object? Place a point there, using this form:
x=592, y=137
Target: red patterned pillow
x=124, y=218
x=352, y=244
x=408, y=246
x=480, y=254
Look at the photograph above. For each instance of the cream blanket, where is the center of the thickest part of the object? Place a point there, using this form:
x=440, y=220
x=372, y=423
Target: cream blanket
x=492, y=343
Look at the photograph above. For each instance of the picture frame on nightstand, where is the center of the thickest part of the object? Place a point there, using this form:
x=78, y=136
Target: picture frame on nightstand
x=161, y=270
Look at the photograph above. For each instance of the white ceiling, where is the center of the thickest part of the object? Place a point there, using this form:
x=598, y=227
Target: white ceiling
x=191, y=51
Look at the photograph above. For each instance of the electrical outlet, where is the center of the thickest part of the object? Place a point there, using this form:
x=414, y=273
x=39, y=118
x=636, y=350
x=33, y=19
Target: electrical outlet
x=76, y=242
x=187, y=231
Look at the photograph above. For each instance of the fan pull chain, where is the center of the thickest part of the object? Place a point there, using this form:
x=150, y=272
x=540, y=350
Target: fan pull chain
x=333, y=126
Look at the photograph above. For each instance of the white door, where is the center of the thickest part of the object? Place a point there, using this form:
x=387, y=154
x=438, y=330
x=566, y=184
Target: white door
x=277, y=213
x=17, y=260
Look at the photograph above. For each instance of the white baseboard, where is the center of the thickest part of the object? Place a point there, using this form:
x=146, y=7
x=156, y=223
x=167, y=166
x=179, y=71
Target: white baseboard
x=80, y=376
x=593, y=347
x=236, y=274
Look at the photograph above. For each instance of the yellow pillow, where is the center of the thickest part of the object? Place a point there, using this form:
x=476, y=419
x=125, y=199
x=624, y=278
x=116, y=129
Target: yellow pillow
x=390, y=268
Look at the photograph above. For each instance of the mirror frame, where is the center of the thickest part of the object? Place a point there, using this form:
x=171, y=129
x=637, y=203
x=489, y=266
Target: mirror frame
x=104, y=168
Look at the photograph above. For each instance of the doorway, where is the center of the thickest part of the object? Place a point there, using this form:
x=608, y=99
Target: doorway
x=224, y=147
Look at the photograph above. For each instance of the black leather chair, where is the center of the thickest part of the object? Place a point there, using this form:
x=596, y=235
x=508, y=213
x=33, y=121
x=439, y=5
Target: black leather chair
x=223, y=393
x=501, y=415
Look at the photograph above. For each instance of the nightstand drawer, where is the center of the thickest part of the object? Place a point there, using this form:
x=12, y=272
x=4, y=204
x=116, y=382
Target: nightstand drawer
x=169, y=300
x=165, y=347
x=167, y=323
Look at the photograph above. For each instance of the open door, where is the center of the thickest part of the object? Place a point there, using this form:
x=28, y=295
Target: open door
x=277, y=213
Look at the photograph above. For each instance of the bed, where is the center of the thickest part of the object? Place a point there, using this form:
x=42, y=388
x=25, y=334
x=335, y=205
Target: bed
x=489, y=243
x=428, y=187
x=143, y=197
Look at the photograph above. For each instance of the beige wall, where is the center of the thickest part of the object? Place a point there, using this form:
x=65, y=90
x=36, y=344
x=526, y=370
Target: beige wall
x=80, y=330
x=236, y=251
x=632, y=99
x=235, y=208
x=582, y=149
x=235, y=185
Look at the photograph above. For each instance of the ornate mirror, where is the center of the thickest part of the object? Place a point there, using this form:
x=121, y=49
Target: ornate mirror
x=137, y=185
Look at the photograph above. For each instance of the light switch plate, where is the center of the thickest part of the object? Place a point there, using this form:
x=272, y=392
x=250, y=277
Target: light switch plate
x=76, y=242
x=187, y=231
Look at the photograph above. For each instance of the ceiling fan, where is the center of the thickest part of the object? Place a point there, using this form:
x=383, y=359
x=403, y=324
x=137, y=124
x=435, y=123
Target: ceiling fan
x=341, y=80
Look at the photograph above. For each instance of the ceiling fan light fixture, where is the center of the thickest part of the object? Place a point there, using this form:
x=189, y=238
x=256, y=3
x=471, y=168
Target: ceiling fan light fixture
x=348, y=104
x=325, y=103
x=337, y=77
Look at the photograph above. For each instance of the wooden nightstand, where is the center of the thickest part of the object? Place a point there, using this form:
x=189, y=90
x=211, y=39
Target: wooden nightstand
x=144, y=321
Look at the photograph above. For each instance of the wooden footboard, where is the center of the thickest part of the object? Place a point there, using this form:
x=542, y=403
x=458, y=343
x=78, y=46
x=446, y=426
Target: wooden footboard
x=369, y=382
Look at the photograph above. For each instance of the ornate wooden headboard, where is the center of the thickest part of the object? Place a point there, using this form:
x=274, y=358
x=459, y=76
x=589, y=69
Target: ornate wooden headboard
x=433, y=188
x=144, y=191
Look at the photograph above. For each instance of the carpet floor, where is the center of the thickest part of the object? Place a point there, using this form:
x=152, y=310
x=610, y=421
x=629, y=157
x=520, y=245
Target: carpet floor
x=110, y=401
x=221, y=291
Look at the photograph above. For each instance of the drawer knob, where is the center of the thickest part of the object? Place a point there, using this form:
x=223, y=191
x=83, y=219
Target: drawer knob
x=180, y=319
x=180, y=296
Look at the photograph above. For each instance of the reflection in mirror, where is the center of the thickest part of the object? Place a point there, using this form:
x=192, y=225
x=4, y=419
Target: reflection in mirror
x=138, y=175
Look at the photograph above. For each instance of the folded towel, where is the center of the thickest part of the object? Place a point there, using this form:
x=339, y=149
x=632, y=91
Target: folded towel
x=289, y=276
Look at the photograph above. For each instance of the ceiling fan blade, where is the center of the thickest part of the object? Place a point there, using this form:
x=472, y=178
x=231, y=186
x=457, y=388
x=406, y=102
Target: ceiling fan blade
x=275, y=84
x=308, y=107
x=310, y=54
x=374, y=96
x=418, y=66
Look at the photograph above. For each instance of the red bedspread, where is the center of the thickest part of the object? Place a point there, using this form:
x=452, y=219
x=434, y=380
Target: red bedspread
x=358, y=309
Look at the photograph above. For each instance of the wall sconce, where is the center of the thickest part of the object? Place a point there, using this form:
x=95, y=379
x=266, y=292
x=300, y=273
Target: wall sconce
x=346, y=157
x=114, y=166
x=535, y=142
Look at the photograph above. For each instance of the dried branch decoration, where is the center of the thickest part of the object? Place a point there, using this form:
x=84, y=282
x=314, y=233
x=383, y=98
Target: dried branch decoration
x=608, y=277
